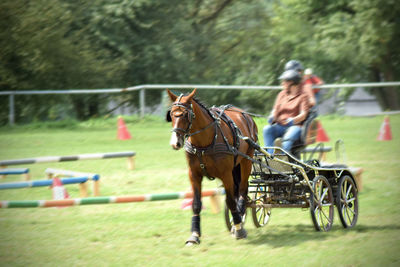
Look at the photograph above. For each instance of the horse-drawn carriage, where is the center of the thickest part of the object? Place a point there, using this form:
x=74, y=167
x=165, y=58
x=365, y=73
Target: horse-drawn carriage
x=221, y=142
x=280, y=180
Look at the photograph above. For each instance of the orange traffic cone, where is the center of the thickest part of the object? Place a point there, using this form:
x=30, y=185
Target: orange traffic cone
x=123, y=133
x=59, y=191
x=321, y=134
x=385, y=133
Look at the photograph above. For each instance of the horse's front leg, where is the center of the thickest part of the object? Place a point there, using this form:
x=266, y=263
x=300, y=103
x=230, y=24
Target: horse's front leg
x=195, y=180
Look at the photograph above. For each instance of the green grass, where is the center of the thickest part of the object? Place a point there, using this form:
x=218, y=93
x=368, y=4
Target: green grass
x=153, y=233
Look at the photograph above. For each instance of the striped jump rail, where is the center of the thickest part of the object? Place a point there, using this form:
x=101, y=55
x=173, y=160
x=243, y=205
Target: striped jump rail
x=127, y=154
x=113, y=199
x=39, y=183
x=51, y=173
x=13, y=171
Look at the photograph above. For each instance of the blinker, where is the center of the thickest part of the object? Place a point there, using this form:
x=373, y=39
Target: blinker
x=168, y=116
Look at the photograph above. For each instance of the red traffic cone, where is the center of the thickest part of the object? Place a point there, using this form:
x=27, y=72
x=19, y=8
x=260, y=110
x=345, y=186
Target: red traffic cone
x=187, y=204
x=321, y=134
x=385, y=133
x=123, y=133
x=59, y=191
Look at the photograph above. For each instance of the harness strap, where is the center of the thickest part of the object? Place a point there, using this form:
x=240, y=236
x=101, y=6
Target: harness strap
x=203, y=168
x=217, y=115
x=214, y=147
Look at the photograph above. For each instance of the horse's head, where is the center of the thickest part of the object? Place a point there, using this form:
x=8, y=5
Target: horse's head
x=181, y=115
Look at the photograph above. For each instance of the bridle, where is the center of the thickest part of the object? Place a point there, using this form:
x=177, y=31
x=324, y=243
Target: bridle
x=191, y=116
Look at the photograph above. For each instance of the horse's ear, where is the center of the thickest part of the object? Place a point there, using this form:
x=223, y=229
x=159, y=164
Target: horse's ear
x=171, y=96
x=168, y=116
x=191, y=95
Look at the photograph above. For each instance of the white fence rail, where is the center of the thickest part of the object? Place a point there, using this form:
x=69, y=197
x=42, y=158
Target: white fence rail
x=144, y=87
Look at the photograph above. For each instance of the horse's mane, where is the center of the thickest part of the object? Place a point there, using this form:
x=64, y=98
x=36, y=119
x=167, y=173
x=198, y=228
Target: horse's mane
x=202, y=105
x=198, y=101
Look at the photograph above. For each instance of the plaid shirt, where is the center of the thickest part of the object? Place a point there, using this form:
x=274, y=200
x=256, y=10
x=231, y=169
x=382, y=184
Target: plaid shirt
x=289, y=105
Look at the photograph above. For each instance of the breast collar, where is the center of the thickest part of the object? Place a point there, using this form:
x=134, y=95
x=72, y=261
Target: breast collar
x=216, y=149
x=218, y=114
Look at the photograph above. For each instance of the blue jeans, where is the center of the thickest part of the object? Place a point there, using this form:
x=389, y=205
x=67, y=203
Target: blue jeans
x=289, y=134
x=317, y=97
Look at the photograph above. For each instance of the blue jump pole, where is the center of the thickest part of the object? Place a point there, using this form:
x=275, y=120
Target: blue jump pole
x=39, y=183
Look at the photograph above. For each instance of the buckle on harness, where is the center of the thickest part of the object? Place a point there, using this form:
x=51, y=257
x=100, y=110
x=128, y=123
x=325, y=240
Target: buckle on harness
x=202, y=166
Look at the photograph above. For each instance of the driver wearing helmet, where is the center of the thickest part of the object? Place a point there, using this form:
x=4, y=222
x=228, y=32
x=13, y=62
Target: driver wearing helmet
x=289, y=112
x=307, y=87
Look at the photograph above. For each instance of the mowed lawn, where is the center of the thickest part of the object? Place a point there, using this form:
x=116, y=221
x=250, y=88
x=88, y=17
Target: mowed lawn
x=153, y=233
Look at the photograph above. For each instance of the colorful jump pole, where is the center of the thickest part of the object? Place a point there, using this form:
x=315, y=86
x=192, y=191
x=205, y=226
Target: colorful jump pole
x=127, y=154
x=38, y=183
x=12, y=171
x=107, y=200
x=71, y=180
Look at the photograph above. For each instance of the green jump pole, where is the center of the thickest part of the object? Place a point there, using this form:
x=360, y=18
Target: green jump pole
x=105, y=200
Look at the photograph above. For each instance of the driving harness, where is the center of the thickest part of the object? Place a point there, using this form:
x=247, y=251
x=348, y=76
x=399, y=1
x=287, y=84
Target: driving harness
x=217, y=148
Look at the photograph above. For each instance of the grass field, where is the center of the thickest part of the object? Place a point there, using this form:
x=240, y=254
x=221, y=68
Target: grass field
x=153, y=233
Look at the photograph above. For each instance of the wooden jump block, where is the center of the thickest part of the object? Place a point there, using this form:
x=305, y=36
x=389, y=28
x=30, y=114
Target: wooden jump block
x=131, y=163
x=357, y=172
x=215, y=204
x=13, y=171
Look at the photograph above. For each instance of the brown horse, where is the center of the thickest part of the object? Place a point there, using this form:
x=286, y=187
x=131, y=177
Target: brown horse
x=214, y=148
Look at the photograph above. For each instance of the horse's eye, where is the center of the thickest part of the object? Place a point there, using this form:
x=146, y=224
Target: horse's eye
x=177, y=113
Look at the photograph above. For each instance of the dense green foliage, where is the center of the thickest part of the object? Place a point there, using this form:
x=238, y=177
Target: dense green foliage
x=105, y=44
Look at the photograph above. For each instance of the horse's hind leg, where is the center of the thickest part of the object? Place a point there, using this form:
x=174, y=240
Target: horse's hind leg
x=245, y=170
x=231, y=203
x=241, y=203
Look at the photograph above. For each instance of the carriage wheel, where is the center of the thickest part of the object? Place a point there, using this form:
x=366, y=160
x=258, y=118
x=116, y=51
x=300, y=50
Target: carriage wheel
x=229, y=218
x=347, y=201
x=262, y=215
x=322, y=204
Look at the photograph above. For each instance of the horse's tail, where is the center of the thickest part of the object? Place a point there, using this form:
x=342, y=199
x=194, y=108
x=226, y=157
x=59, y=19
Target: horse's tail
x=236, y=179
x=252, y=126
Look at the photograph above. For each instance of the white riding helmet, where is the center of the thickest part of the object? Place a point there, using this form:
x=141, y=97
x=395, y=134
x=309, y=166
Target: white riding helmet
x=308, y=71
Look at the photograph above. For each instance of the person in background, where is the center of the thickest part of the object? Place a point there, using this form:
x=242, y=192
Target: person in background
x=289, y=112
x=307, y=88
x=311, y=79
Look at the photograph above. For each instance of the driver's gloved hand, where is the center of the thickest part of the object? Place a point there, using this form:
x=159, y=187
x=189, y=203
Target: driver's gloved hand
x=270, y=119
x=289, y=122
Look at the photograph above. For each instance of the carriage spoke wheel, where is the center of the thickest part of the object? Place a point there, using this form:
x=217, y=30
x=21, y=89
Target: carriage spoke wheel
x=229, y=218
x=347, y=201
x=260, y=215
x=322, y=204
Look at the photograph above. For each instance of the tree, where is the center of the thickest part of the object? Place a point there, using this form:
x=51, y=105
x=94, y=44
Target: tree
x=360, y=37
x=118, y=43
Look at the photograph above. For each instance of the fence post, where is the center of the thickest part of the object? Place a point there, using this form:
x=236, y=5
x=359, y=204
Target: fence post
x=11, y=116
x=142, y=102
